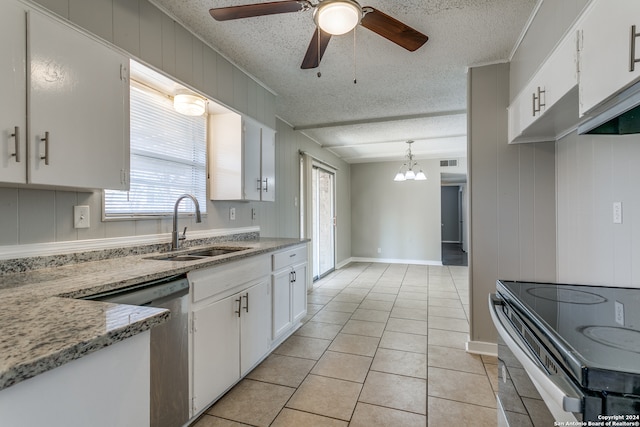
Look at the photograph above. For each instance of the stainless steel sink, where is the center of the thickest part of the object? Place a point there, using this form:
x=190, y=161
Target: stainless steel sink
x=216, y=251
x=198, y=254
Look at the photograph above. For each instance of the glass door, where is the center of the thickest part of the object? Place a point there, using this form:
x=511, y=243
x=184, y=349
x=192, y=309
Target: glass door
x=323, y=219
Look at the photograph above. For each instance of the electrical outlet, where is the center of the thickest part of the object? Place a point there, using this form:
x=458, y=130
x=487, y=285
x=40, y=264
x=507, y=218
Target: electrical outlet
x=81, y=217
x=617, y=212
x=379, y=250
x=232, y=214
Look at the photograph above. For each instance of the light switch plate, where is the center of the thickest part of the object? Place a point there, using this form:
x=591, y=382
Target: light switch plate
x=232, y=214
x=81, y=217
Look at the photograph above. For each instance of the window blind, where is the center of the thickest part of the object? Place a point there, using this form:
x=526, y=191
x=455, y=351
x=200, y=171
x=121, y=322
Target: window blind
x=168, y=159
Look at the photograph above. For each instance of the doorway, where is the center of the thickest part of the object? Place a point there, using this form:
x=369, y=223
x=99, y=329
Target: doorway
x=452, y=219
x=323, y=220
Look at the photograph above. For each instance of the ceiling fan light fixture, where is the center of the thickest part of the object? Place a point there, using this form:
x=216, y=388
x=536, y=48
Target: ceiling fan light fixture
x=337, y=17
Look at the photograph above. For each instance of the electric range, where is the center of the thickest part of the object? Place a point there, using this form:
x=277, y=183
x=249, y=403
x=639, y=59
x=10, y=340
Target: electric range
x=580, y=346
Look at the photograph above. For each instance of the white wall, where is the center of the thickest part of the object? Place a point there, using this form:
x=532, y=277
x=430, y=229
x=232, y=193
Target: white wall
x=594, y=171
x=512, y=206
x=400, y=218
x=282, y=218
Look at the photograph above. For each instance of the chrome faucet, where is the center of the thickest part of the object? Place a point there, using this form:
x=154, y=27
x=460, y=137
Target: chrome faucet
x=175, y=240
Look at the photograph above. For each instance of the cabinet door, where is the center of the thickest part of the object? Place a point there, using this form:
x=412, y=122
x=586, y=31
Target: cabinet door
x=255, y=321
x=281, y=296
x=80, y=96
x=268, y=165
x=216, y=350
x=251, y=160
x=299, y=293
x=605, y=56
x=13, y=86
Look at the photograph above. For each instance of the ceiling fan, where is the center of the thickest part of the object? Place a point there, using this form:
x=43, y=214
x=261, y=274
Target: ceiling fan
x=332, y=17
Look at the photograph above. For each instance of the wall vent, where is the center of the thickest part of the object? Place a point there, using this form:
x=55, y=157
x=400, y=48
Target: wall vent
x=447, y=163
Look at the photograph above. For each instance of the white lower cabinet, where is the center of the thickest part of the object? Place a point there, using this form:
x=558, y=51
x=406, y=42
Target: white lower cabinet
x=240, y=311
x=216, y=350
x=229, y=337
x=110, y=387
x=289, y=290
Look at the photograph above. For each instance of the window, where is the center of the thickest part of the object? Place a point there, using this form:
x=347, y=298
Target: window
x=168, y=159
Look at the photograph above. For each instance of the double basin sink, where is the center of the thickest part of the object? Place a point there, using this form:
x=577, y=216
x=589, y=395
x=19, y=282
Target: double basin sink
x=198, y=254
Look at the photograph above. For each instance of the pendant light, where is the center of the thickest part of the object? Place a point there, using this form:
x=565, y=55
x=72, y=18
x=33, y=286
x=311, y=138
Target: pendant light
x=407, y=172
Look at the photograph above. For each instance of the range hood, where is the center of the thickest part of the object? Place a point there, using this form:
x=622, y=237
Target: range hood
x=618, y=116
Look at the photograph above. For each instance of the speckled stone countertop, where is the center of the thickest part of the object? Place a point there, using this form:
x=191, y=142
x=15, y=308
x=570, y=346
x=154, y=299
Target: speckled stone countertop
x=43, y=325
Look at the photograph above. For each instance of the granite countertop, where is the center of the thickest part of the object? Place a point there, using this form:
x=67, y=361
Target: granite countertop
x=43, y=325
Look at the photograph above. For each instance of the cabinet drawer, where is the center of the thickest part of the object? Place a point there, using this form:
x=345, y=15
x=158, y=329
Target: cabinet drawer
x=289, y=257
x=212, y=281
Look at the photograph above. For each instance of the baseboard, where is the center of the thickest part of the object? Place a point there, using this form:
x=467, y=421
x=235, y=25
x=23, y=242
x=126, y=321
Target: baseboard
x=344, y=263
x=73, y=246
x=396, y=261
x=480, y=347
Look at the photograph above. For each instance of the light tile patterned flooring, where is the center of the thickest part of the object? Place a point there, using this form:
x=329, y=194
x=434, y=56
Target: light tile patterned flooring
x=382, y=345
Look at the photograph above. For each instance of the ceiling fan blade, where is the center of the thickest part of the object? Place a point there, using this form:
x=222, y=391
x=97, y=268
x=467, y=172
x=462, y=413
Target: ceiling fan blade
x=258, y=9
x=319, y=43
x=392, y=29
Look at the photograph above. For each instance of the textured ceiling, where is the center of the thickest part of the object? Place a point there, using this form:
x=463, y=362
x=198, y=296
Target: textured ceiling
x=399, y=95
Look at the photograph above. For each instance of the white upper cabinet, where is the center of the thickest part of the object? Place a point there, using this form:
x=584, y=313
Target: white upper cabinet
x=79, y=109
x=13, y=85
x=75, y=92
x=609, y=49
x=547, y=106
x=268, y=165
x=241, y=159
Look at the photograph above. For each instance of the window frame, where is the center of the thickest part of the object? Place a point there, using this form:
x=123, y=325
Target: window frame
x=164, y=215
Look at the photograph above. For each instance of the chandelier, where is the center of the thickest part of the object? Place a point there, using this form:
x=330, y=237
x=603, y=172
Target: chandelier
x=407, y=172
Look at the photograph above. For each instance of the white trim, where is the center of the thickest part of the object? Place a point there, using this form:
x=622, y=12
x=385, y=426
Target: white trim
x=396, y=261
x=343, y=263
x=58, y=248
x=525, y=29
x=480, y=347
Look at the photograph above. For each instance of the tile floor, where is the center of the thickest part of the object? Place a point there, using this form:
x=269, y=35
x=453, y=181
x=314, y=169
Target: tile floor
x=382, y=345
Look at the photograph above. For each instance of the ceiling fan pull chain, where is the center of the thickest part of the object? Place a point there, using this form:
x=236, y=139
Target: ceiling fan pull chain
x=319, y=73
x=355, y=80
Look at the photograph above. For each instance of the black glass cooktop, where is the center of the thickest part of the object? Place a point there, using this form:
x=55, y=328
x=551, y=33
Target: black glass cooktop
x=595, y=330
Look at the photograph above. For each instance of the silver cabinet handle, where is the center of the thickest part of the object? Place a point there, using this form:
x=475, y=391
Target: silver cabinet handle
x=538, y=98
x=633, y=60
x=246, y=298
x=266, y=185
x=540, y=101
x=533, y=109
x=239, y=301
x=16, y=135
x=46, y=148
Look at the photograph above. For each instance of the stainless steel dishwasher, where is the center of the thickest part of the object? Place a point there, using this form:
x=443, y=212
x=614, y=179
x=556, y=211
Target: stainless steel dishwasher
x=169, y=346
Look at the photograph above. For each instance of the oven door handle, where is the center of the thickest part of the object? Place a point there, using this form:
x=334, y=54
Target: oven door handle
x=560, y=390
